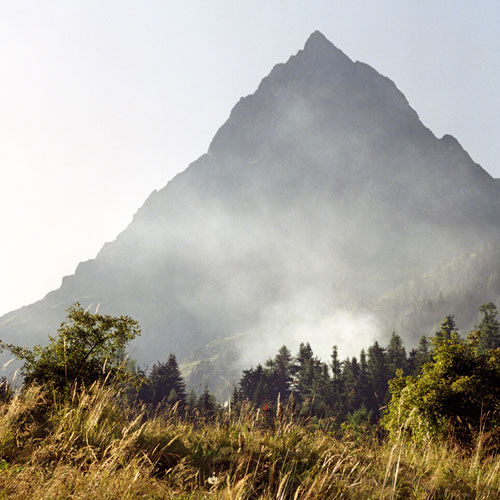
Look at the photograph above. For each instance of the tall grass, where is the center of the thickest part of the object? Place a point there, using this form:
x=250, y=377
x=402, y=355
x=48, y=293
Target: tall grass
x=96, y=447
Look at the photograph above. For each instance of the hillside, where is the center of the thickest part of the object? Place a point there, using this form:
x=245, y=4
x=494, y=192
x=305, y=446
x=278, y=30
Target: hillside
x=322, y=194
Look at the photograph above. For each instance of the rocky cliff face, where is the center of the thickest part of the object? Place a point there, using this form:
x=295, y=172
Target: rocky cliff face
x=322, y=192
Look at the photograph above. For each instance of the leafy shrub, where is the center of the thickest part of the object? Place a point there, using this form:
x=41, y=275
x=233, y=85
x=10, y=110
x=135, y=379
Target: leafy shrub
x=89, y=347
x=456, y=395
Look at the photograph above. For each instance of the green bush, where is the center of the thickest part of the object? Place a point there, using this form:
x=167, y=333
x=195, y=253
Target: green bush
x=89, y=347
x=456, y=395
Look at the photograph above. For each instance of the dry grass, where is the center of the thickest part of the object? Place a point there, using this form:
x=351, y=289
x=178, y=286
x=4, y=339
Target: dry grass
x=96, y=448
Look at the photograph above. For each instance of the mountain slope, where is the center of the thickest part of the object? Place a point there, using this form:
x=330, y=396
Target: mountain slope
x=322, y=192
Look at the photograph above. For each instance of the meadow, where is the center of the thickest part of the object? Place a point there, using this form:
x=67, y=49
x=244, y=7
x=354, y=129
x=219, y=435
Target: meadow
x=97, y=446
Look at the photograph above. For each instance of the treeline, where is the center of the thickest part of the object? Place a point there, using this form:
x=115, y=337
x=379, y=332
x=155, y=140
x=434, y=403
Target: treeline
x=165, y=386
x=351, y=389
x=90, y=348
x=356, y=388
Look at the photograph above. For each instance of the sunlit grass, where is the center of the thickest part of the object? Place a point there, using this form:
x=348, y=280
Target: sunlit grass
x=95, y=447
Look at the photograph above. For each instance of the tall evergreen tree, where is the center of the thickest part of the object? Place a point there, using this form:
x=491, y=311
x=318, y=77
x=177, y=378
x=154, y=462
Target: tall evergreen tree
x=165, y=378
x=448, y=330
x=279, y=375
x=378, y=375
x=337, y=383
x=396, y=355
x=489, y=328
x=351, y=374
x=304, y=355
x=253, y=385
x=303, y=371
x=206, y=402
x=364, y=379
x=422, y=355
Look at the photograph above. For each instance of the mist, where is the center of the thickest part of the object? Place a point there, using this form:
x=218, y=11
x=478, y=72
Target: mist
x=321, y=200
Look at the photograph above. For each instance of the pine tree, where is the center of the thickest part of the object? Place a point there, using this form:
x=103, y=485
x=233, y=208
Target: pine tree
x=280, y=375
x=235, y=396
x=489, y=328
x=165, y=378
x=304, y=355
x=260, y=392
x=448, y=330
x=396, y=355
x=422, y=355
x=206, y=402
x=351, y=374
x=363, y=380
x=378, y=376
x=253, y=385
x=337, y=390
x=304, y=371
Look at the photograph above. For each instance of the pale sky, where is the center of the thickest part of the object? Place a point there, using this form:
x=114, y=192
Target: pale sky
x=102, y=101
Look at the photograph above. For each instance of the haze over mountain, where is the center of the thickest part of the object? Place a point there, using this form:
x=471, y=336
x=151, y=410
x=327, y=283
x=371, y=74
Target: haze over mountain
x=318, y=206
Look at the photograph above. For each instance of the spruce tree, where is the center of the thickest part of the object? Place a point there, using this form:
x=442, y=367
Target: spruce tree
x=165, y=378
x=337, y=390
x=422, y=355
x=253, y=385
x=280, y=375
x=448, y=330
x=378, y=376
x=396, y=355
x=206, y=402
x=489, y=327
x=351, y=374
x=363, y=380
x=304, y=371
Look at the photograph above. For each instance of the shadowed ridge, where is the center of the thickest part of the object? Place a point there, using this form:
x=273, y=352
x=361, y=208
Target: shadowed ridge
x=317, y=43
x=322, y=191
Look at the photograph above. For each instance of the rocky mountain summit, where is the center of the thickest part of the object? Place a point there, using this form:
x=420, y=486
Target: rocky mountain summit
x=322, y=193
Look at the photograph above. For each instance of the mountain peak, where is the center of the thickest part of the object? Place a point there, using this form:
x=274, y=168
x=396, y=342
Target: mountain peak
x=318, y=45
x=320, y=192
x=317, y=39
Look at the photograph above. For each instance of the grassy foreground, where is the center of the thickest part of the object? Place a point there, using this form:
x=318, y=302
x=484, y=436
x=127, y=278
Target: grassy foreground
x=96, y=448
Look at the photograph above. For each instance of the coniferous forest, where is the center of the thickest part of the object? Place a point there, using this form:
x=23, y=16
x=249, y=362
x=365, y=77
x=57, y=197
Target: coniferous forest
x=88, y=423
x=324, y=210
x=352, y=390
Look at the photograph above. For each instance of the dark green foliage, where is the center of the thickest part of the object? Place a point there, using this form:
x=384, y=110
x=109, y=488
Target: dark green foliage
x=311, y=382
x=341, y=389
x=166, y=383
x=253, y=384
x=456, y=395
x=448, y=330
x=419, y=356
x=279, y=375
x=489, y=328
x=396, y=355
x=89, y=347
x=206, y=403
x=337, y=384
x=378, y=373
x=264, y=384
x=351, y=375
